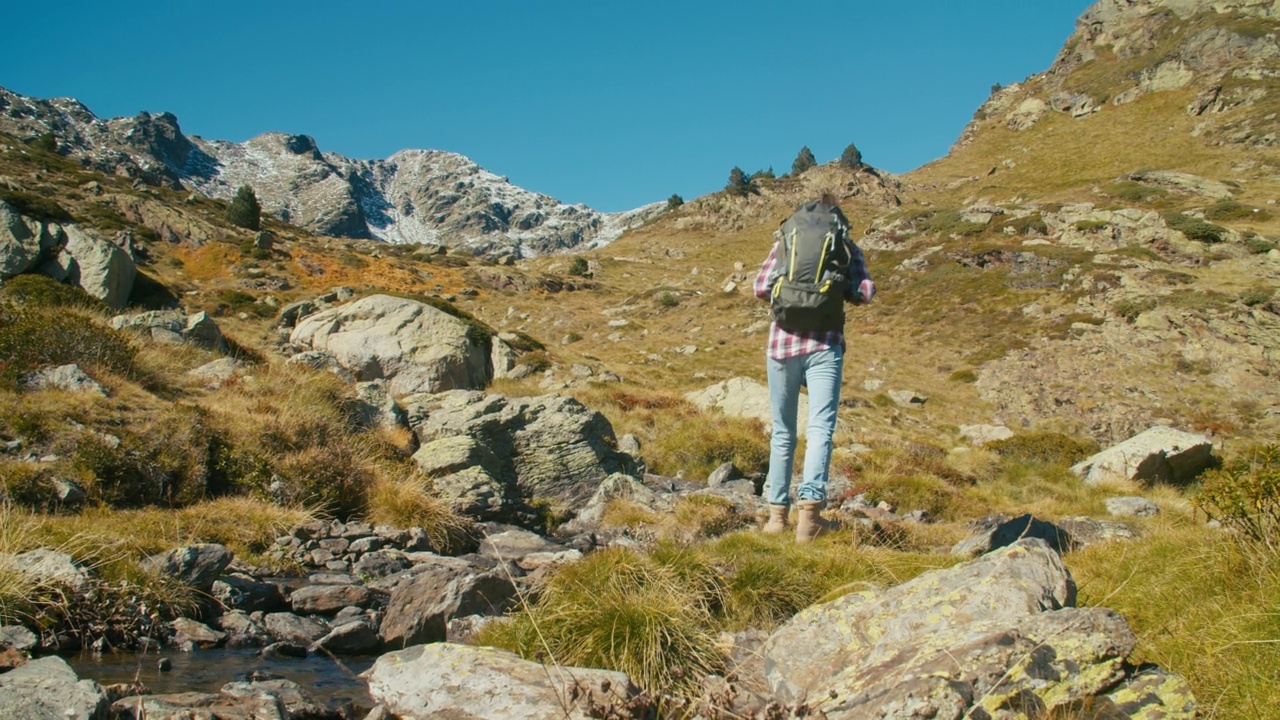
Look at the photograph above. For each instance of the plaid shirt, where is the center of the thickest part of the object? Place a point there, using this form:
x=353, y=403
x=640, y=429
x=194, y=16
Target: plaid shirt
x=784, y=344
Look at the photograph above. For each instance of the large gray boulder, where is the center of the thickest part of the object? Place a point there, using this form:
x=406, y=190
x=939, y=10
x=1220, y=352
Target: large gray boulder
x=48, y=689
x=1160, y=454
x=48, y=567
x=174, y=326
x=196, y=565
x=412, y=345
x=990, y=638
x=744, y=397
x=23, y=242
x=104, y=269
x=421, y=606
x=548, y=448
x=445, y=680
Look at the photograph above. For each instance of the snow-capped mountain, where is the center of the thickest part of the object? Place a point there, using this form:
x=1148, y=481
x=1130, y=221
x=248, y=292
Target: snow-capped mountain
x=427, y=196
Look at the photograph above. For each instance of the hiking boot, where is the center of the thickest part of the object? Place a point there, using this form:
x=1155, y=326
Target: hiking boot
x=810, y=522
x=777, y=519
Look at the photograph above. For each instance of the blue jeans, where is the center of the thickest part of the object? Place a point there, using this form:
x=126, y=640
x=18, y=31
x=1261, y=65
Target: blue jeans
x=821, y=372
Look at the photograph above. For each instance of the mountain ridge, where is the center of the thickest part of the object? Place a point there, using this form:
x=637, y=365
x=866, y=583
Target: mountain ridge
x=412, y=196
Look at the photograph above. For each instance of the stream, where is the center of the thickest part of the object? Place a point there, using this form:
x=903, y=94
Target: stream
x=331, y=682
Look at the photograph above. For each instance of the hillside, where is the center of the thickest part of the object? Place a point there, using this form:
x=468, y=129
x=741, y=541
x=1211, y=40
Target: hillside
x=1098, y=254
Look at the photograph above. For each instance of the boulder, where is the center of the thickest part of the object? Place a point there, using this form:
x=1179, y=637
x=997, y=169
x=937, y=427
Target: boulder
x=743, y=397
x=449, y=680
x=1160, y=454
x=186, y=630
x=421, y=606
x=196, y=565
x=216, y=373
x=512, y=544
x=377, y=407
x=983, y=434
x=241, y=630
x=18, y=637
x=412, y=345
x=48, y=689
x=1086, y=531
x=105, y=270
x=317, y=360
x=23, y=242
x=201, y=331
x=329, y=599
x=548, y=448
x=1132, y=507
x=68, y=378
x=242, y=592
x=160, y=325
x=289, y=628
x=49, y=567
x=998, y=636
x=997, y=531
x=353, y=637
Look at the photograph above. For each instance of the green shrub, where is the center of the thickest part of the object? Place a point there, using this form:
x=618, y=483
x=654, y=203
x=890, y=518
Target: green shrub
x=1227, y=210
x=1131, y=308
x=674, y=202
x=739, y=184
x=34, y=206
x=32, y=339
x=1195, y=228
x=1045, y=447
x=1032, y=224
x=1131, y=191
x=578, y=266
x=1091, y=225
x=668, y=299
x=1244, y=496
x=34, y=290
x=238, y=301
x=965, y=375
x=1256, y=296
x=1258, y=245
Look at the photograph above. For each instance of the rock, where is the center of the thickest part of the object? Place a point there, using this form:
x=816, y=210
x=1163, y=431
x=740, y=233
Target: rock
x=217, y=372
x=355, y=637
x=1086, y=531
x=377, y=407
x=380, y=564
x=18, y=638
x=997, y=531
x=448, y=680
x=617, y=487
x=68, y=378
x=242, y=592
x=1160, y=454
x=283, y=651
x=289, y=628
x=201, y=331
x=981, y=639
x=196, y=565
x=241, y=630
x=317, y=360
x=291, y=698
x=722, y=474
x=105, y=270
x=412, y=345
x=164, y=326
x=908, y=398
x=49, y=567
x=10, y=658
x=329, y=599
x=983, y=434
x=23, y=242
x=421, y=606
x=743, y=397
x=186, y=630
x=513, y=544
x=1132, y=507
x=548, y=448
x=48, y=689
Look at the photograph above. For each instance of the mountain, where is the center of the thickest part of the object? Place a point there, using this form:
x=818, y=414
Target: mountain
x=414, y=196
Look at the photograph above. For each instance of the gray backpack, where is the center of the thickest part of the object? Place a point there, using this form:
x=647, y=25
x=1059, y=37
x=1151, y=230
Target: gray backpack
x=813, y=266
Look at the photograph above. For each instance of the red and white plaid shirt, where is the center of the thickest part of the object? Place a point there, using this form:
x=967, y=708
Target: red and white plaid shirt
x=784, y=344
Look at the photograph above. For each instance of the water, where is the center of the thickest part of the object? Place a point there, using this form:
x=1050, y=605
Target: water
x=333, y=682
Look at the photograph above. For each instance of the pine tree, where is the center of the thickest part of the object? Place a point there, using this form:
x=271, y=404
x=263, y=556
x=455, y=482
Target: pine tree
x=739, y=184
x=674, y=201
x=804, y=161
x=244, y=210
x=851, y=157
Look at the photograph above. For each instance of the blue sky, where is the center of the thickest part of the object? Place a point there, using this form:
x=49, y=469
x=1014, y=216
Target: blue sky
x=613, y=104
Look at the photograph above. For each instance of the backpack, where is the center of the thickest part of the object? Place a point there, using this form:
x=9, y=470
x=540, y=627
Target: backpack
x=813, y=261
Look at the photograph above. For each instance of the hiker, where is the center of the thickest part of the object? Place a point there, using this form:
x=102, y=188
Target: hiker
x=811, y=272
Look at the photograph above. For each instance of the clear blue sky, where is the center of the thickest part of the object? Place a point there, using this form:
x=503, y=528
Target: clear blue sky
x=613, y=104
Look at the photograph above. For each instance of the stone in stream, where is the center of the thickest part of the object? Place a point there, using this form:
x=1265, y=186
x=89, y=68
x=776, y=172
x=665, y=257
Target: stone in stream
x=48, y=689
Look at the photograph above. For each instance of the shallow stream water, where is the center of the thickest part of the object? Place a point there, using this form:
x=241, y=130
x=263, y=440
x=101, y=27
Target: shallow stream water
x=330, y=681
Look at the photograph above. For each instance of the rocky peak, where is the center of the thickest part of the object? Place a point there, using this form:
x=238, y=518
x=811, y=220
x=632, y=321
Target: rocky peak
x=427, y=196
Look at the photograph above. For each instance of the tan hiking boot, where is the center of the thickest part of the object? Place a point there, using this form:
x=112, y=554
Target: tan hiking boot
x=777, y=519
x=809, y=521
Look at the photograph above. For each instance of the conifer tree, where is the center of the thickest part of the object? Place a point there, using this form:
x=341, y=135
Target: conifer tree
x=739, y=184
x=804, y=161
x=851, y=157
x=244, y=210
x=674, y=201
